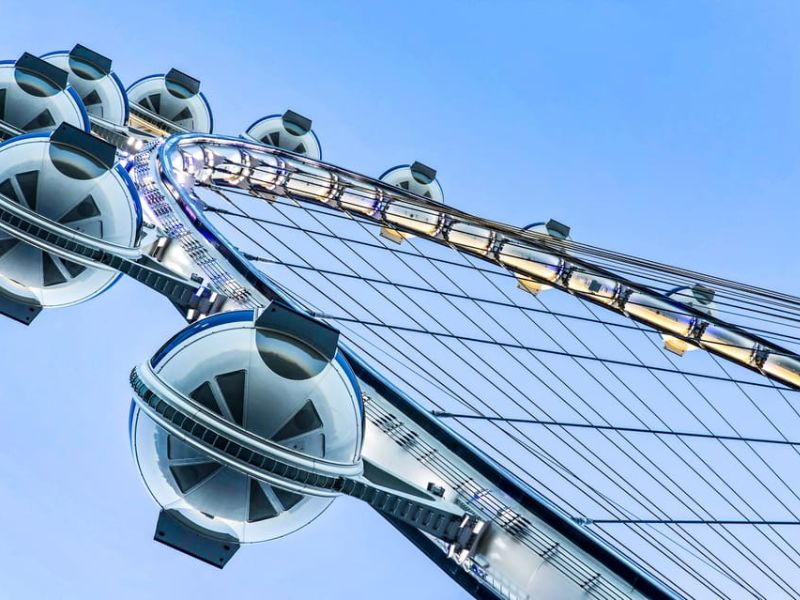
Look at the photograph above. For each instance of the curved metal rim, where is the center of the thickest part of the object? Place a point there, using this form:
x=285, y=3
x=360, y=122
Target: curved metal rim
x=503, y=234
x=240, y=435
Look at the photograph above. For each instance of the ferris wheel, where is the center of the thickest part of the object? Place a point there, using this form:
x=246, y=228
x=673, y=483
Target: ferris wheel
x=541, y=417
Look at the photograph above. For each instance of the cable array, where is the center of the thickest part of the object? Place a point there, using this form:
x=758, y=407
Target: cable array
x=589, y=411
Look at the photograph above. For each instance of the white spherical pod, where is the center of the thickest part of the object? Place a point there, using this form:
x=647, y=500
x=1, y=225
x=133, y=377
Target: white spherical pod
x=68, y=177
x=419, y=179
x=416, y=178
x=99, y=88
x=175, y=98
x=289, y=131
x=275, y=379
x=35, y=96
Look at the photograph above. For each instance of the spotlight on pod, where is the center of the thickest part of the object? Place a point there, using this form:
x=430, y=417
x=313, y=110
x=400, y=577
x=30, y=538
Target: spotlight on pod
x=289, y=131
x=701, y=299
x=99, y=88
x=68, y=177
x=171, y=103
x=553, y=229
x=238, y=425
x=416, y=178
x=35, y=96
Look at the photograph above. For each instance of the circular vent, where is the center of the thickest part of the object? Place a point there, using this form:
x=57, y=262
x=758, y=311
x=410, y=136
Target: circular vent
x=289, y=131
x=68, y=177
x=266, y=379
x=90, y=74
x=35, y=96
x=416, y=178
x=174, y=99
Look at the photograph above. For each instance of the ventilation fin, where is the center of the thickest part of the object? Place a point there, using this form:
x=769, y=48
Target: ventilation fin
x=188, y=476
x=232, y=387
x=28, y=182
x=6, y=245
x=86, y=209
x=52, y=274
x=205, y=396
x=41, y=121
x=184, y=115
x=92, y=98
x=74, y=269
x=288, y=499
x=8, y=190
x=154, y=102
x=260, y=506
x=304, y=420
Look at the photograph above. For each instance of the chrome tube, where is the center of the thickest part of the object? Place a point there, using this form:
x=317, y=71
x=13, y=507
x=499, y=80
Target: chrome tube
x=534, y=262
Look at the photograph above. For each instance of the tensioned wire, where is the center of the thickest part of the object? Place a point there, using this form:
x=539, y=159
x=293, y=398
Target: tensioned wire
x=445, y=261
x=441, y=261
x=654, y=568
x=469, y=260
x=490, y=445
x=676, y=283
x=730, y=425
x=568, y=248
x=655, y=414
x=487, y=443
x=740, y=388
x=545, y=240
x=702, y=395
x=432, y=290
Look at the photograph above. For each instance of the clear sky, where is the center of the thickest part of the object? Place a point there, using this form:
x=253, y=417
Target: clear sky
x=670, y=131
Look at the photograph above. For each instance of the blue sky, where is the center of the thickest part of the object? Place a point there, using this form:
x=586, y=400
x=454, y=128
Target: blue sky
x=666, y=132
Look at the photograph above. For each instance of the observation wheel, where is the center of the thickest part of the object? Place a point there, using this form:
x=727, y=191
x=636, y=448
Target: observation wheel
x=541, y=417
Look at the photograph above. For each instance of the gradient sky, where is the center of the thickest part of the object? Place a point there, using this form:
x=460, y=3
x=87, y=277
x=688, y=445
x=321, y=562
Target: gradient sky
x=671, y=133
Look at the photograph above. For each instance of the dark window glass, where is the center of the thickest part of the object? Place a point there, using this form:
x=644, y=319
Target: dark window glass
x=28, y=184
x=86, y=209
x=260, y=506
x=91, y=99
x=188, y=476
x=41, y=121
x=184, y=115
x=205, y=397
x=6, y=245
x=74, y=269
x=288, y=499
x=304, y=420
x=153, y=102
x=50, y=272
x=232, y=387
x=8, y=190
